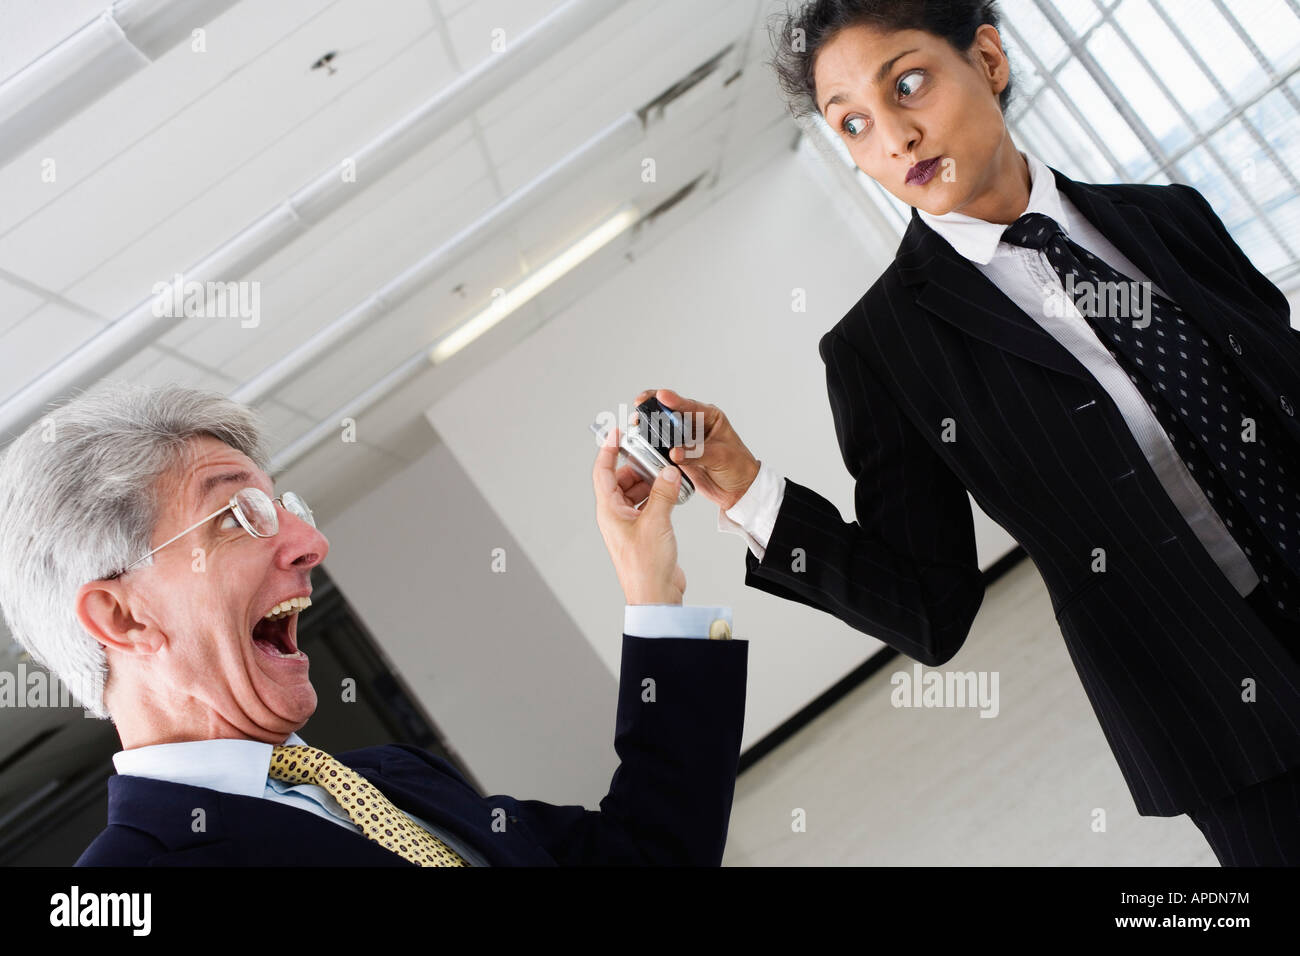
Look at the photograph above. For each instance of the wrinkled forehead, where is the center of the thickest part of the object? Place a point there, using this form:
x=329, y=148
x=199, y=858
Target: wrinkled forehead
x=205, y=475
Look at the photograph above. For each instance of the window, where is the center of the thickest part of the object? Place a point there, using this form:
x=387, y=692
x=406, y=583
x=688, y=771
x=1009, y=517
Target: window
x=1160, y=91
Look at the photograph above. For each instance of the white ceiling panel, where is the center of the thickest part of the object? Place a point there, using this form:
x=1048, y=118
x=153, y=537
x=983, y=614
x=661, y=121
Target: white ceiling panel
x=283, y=424
x=136, y=365
x=450, y=8
x=332, y=249
x=196, y=149
x=680, y=155
x=134, y=110
x=173, y=368
x=410, y=223
x=31, y=27
x=345, y=270
x=16, y=303
x=521, y=119
x=39, y=341
x=476, y=27
x=297, y=156
x=616, y=32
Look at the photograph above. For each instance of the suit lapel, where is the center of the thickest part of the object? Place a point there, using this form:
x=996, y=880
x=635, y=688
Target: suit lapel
x=952, y=288
x=236, y=830
x=1157, y=253
x=949, y=285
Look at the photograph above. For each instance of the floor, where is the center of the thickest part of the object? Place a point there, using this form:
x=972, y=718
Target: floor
x=868, y=783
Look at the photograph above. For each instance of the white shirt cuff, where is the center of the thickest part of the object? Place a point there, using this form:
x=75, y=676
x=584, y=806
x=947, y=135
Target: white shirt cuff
x=754, y=515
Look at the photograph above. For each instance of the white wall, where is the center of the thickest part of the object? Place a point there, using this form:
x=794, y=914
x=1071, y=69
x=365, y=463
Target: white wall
x=492, y=657
x=705, y=311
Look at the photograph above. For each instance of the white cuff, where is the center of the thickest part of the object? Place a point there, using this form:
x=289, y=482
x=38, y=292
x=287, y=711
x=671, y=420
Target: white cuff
x=754, y=515
x=726, y=524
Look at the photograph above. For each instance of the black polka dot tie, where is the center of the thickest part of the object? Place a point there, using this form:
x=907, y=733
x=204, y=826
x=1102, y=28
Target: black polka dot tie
x=1200, y=399
x=369, y=809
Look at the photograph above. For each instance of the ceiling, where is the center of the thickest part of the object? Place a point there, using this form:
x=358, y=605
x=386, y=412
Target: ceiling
x=175, y=161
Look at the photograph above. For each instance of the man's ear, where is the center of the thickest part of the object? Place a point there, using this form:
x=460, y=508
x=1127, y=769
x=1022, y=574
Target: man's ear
x=104, y=610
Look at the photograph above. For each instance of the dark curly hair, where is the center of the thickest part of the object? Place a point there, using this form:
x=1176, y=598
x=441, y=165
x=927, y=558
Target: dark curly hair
x=819, y=20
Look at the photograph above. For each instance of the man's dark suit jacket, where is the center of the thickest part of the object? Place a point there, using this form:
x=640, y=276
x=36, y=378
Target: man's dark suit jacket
x=669, y=801
x=1160, y=639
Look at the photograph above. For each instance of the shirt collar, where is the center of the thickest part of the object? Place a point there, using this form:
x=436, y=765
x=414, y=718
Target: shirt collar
x=231, y=766
x=977, y=239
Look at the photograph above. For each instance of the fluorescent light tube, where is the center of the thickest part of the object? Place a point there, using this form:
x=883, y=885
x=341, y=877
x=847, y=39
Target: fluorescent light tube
x=533, y=285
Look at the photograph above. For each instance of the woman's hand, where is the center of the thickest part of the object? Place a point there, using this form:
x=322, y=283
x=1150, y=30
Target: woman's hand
x=714, y=457
x=641, y=543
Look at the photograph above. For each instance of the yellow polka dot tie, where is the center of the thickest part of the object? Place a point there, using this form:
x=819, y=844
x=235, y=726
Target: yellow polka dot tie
x=369, y=809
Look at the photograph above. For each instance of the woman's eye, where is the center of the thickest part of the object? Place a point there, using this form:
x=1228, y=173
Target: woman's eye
x=907, y=80
x=228, y=522
x=853, y=119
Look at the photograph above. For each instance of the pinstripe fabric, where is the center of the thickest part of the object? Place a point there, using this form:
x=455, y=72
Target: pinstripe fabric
x=1162, y=358
x=1258, y=826
x=1161, y=640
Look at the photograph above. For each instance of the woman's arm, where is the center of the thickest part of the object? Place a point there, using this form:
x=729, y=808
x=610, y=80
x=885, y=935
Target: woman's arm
x=906, y=570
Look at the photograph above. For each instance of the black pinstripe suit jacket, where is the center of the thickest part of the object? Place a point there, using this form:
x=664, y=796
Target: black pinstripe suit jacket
x=1160, y=639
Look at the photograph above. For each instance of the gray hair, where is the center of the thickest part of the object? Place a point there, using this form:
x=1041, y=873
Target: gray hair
x=78, y=503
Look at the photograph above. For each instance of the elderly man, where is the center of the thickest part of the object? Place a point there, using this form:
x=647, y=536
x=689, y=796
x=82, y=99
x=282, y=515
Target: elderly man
x=146, y=559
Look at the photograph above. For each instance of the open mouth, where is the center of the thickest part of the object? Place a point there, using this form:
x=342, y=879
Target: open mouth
x=276, y=634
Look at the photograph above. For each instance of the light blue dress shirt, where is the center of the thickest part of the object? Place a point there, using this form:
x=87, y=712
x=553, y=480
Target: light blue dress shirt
x=671, y=620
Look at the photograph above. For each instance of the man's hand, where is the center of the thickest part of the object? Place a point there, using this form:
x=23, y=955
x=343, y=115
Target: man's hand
x=641, y=543
x=722, y=468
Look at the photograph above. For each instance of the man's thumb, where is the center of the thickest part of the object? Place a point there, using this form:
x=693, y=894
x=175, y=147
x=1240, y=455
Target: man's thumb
x=663, y=493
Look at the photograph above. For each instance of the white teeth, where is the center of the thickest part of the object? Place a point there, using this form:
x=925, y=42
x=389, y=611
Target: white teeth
x=285, y=608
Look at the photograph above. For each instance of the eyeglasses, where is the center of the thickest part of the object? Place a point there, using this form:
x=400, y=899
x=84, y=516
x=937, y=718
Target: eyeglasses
x=255, y=511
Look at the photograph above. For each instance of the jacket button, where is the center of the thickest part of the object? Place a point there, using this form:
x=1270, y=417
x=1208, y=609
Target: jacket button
x=1286, y=405
x=1233, y=343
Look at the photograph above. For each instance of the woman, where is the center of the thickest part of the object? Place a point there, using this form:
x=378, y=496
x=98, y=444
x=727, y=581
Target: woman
x=1106, y=373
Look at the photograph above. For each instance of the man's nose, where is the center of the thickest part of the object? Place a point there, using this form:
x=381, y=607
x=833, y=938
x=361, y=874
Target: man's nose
x=301, y=545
